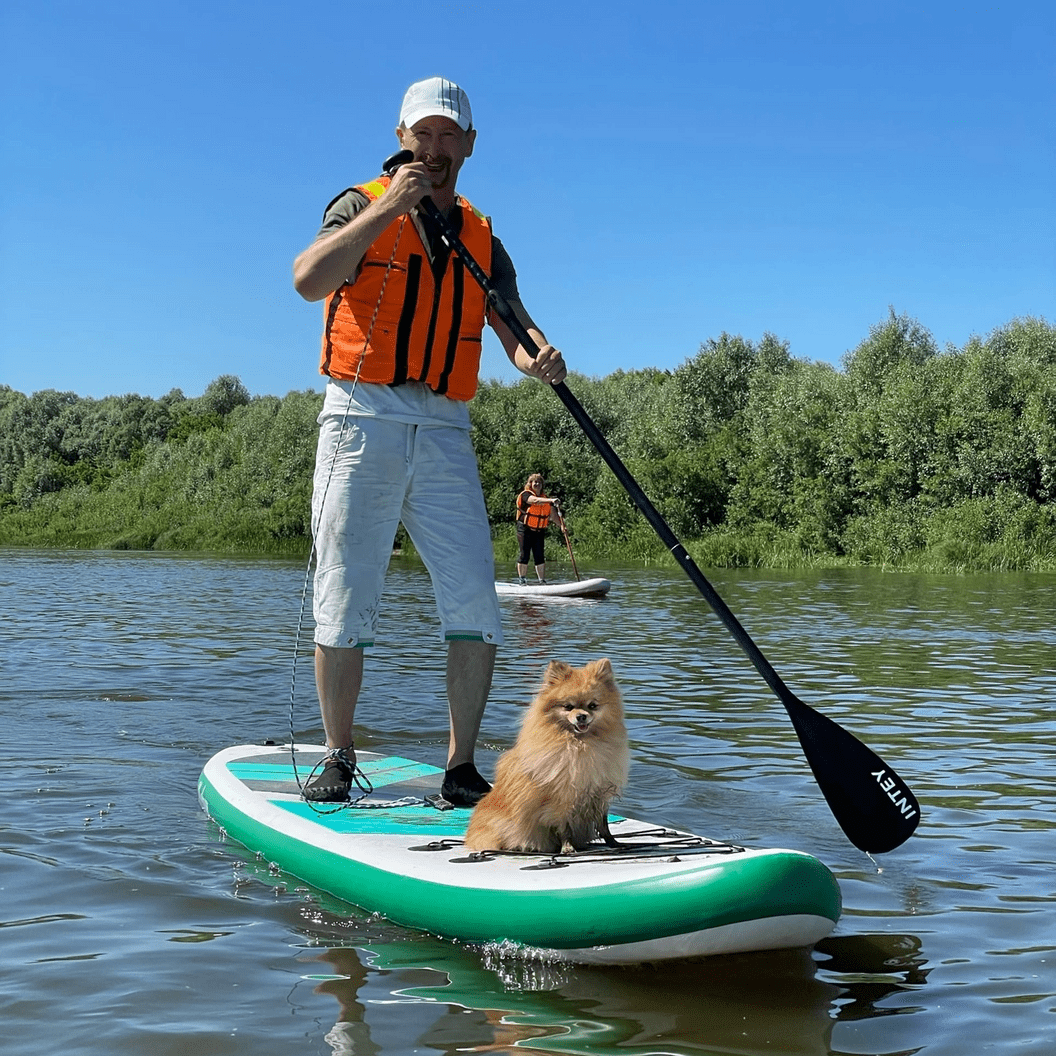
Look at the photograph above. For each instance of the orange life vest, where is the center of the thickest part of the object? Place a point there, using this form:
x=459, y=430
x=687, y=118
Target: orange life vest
x=423, y=331
x=534, y=515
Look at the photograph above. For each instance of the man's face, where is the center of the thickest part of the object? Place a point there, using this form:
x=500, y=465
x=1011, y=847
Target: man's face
x=440, y=145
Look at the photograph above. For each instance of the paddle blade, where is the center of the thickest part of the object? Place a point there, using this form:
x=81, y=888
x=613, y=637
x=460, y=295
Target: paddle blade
x=871, y=803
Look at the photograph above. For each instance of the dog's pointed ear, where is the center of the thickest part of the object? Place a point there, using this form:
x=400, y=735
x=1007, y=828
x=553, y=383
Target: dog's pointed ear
x=557, y=671
x=603, y=669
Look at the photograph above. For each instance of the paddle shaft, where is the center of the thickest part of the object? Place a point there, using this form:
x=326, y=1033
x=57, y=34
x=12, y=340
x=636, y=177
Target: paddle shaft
x=875, y=809
x=502, y=308
x=568, y=543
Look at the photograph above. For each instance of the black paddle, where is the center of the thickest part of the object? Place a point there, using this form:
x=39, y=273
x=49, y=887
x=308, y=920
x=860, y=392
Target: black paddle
x=872, y=804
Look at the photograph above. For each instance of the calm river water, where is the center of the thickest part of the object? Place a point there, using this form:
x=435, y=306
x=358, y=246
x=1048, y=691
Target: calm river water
x=128, y=926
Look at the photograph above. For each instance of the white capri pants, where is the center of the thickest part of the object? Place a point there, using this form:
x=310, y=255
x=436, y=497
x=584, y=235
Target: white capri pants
x=388, y=471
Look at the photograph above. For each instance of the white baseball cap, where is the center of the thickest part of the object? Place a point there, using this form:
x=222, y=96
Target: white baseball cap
x=436, y=97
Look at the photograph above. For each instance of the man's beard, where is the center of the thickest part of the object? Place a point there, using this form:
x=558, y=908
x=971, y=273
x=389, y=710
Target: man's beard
x=440, y=177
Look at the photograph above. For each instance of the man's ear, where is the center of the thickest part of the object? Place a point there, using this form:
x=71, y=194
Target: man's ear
x=471, y=138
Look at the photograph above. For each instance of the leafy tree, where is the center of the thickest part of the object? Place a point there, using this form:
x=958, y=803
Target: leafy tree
x=795, y=476
x=906, y=456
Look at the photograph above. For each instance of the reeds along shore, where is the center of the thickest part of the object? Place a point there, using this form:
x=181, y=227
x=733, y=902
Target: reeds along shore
x=904, y=456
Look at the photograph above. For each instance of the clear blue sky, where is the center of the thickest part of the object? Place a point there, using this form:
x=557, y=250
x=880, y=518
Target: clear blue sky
x=661, y=172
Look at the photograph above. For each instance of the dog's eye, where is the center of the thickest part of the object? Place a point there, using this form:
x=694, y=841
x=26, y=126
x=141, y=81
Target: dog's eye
x=568, y=706
x=592, y=706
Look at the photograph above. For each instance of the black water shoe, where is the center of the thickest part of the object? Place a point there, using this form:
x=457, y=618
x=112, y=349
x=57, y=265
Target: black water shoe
x=333, y=782
x=463, y=786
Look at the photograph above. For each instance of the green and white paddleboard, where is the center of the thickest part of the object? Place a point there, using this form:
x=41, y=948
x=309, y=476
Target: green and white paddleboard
x=661, y=894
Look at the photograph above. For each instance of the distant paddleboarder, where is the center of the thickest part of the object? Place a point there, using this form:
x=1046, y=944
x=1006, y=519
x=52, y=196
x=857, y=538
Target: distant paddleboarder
x=533, y=515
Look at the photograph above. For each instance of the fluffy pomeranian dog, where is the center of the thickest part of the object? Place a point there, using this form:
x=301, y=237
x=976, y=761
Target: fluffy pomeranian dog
x=552, y=788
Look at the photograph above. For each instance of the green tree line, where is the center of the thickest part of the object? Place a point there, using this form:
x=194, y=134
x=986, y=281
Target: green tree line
x=906, y=456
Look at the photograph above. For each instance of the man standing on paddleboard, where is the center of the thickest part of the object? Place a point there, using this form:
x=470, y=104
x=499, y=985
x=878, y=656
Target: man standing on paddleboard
x=401, y=352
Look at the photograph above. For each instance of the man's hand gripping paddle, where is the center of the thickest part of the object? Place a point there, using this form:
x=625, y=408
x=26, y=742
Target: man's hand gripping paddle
x=871, y=803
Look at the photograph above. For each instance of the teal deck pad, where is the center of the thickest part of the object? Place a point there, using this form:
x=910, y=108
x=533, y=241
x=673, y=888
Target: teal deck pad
x=386, y=771
x=415, y=817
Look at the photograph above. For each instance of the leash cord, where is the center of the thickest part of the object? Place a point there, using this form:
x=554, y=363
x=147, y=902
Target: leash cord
x=357, y=774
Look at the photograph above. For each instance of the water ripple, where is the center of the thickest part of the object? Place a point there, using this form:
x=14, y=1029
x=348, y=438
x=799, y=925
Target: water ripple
x=124, y=672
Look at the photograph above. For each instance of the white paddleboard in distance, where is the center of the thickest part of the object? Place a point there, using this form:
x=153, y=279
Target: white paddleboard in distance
x=661, y=894
x=579, y=588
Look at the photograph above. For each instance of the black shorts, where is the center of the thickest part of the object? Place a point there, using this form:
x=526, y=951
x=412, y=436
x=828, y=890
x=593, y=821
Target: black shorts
x=530, y=541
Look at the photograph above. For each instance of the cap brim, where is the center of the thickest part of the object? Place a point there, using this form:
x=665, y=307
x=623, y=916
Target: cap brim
x=412, y=117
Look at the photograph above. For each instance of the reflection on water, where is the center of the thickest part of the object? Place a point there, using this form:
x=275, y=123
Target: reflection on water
x=871, y=967
x=734, y=1004
x=129, y=926
x=738, y=1005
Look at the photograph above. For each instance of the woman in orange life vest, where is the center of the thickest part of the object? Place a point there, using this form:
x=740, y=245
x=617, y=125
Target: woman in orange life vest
x=533, y=515
x=401, y=345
